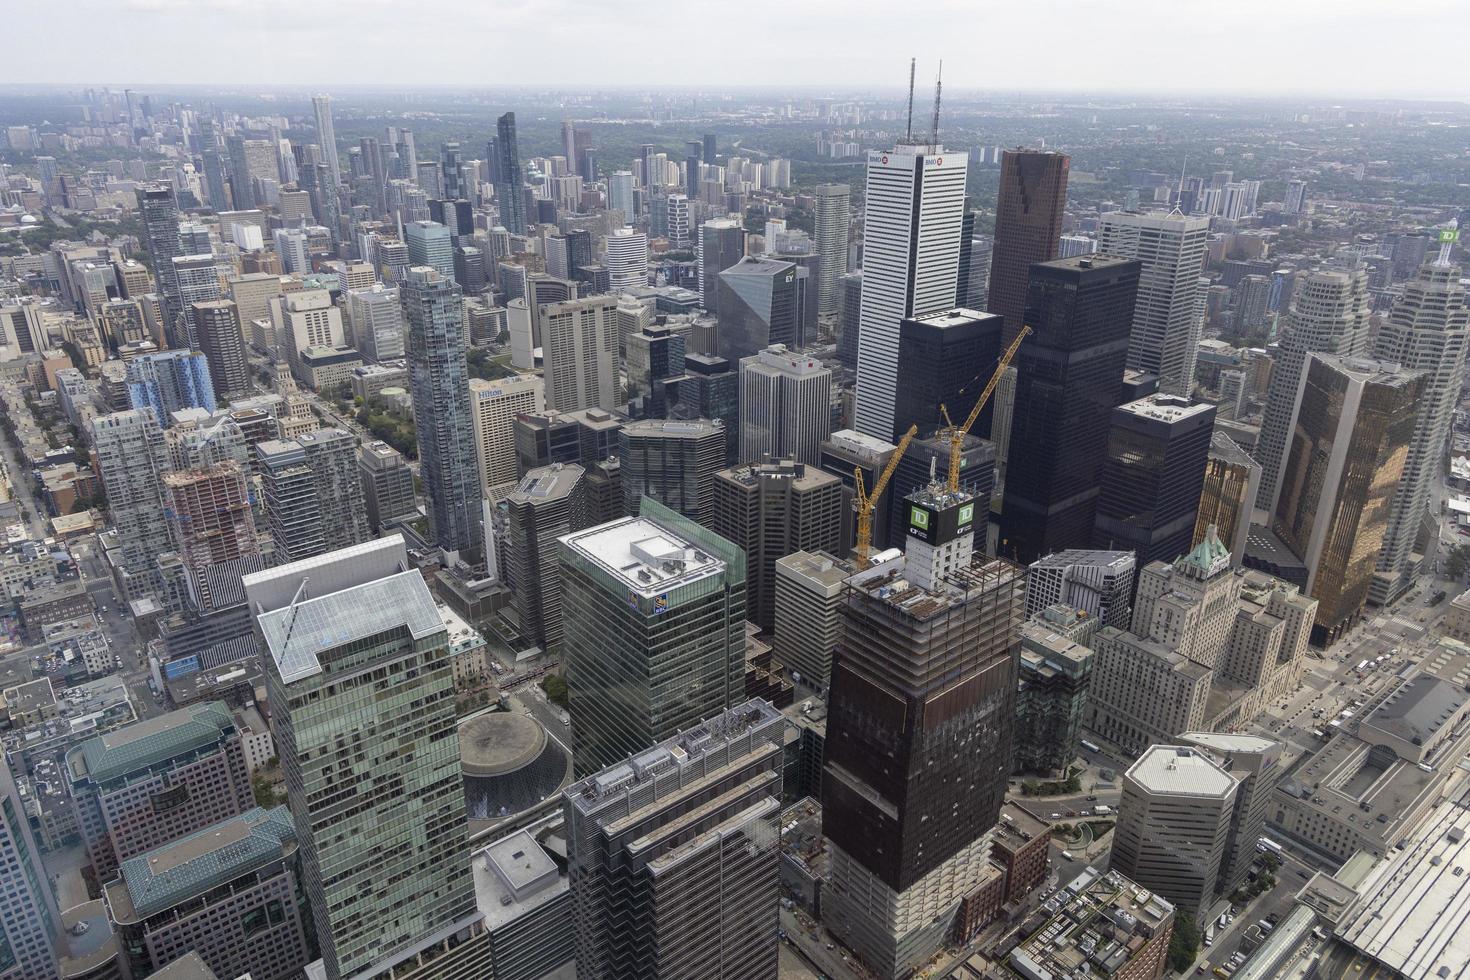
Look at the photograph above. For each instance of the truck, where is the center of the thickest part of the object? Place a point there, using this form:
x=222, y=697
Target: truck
x=1102, y=809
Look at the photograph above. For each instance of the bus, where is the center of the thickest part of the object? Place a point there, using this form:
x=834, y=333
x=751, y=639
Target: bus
x=1268, y=846
x=1090, y=746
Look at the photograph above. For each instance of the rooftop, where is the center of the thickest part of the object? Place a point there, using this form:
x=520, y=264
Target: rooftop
x=545, y=483
x=1418, y=710
x=186, y=967
x=148, y=743
x=1179, y=771
x=1093, y=926
x=643, y=556
x=519, y=872
x=1169, y=409
x=192, y=865
x=859, y=443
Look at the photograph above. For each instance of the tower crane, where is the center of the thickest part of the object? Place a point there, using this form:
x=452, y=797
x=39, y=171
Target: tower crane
x=864, y=502
x=956, y=433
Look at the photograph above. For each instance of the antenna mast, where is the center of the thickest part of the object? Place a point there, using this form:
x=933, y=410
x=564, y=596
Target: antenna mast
x=908, y=131
x=938, y=85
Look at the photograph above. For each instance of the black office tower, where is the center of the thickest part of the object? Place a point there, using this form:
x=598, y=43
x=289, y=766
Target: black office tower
x=918, y=748
x=1152, y=478
x=977, y=478
x=1068, y=375
x=509, y=197
x=944, y=359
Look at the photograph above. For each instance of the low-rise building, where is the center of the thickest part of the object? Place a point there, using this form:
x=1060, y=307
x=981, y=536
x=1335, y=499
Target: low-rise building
x=325, y=368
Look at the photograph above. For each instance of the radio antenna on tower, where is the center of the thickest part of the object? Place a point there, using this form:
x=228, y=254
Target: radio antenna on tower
x=908, y=131
x=938, y=86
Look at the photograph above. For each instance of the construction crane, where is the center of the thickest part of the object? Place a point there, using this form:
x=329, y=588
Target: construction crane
x=864, y=502
x=956, y=433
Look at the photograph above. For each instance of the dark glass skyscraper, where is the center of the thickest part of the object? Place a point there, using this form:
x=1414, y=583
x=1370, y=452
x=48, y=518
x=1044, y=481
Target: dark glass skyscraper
x=944, y=359
x=508, y=188
x=160, y=215
x=1153, y=476
x=1028, y=226
x=1068, y=375
x=439, y=375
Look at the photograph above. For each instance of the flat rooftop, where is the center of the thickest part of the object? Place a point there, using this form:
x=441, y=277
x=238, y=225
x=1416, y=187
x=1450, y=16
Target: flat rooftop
x=1418, y=710
x=643, y=556
x=1179, y=771
x=1165, y=408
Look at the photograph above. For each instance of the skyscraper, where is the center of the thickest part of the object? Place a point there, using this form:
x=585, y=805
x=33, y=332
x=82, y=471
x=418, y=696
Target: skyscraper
x=358, y=668
x=1028, y=225
x=653, y=366
x=1152, y=477
x=494, y=407
x=770, y=510
x=627, y=260
x=833, y=206
x=580, y=340
x=808, y=600
x=548, y=503
x=654, y=610
x=209, y=517
x=1166, y=324
x=170, y=380
x=429, y=243
x=376, y=314
x=196, y=280
x=509, y=195
x=30, y=923
x=785, y=406
x=944, y=359
x=674, y=463
x=1228, y=498
x=387, y=484
x=217, y=326
x=1099, y=583
x=159, y=212
x=674, y=853
x=620, y=194
x=131, y=458
x=439, y=376
x=1354, y=425
x=1328, y=314
x=721, y=245
x=911, y=248
x=679, y=228
x=759, y=306
x=1426, y=331
x=694, y=150
x=327, y=136
x=917, y=755
x=1068, y=375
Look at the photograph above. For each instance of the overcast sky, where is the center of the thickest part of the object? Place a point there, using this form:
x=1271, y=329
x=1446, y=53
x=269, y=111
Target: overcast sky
x=1348, y=48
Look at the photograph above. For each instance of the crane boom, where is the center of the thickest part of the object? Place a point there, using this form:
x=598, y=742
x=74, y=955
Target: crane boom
x=864, y=502
x=956, y=434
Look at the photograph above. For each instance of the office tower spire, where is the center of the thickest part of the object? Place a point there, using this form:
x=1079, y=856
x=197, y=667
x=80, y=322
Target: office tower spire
x=912, y=227
x=1426, y=331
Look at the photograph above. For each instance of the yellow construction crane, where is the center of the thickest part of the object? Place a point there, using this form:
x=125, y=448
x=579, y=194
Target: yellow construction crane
x=864, y=502
x=956, y=433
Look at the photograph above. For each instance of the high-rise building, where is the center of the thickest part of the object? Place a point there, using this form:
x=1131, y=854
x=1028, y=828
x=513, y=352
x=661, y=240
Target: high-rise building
x=944, y=359
x=387, y=484
x=439, y=374
x=376, y=316
x=654, y=610
x=306, y=318
x=170, y=380
x=251, y=161
x=833, y=206
x=30, y=924
x=217, y=327
x=1296, y=197
x=627, y=260
x=759, y=307
x=1253, y=761
x=673, y=463
x=1354, y=425
x=652, y=368
x=155, y=781
x=621, y=194
x=494, y=407
x=580, y=343
x=159, y=212
x=226, y=893
x=1174, y=825
x=721, y=245
x=785, y=406
x=1229, y=495
x=678, y=232
x=1427, y=330
x=326, y=136
x=548, y=503
x=849, y=319
x=359, y=674
x=131, y=458
x=510, y=196
x=1068, y=375
x=770, y=510
x=675, y=851
x=1028, y=226
x=709, y=389
x=917, y=756
x=1099, y=583
x=927, y=461
x=292, y=508
x=1152, y=477
x=209, y=518
x=196, y=280
x=809, y=593
x=1054, y=677
x=972, y=292
x=1329, y=315
x=915, y=206
x=429, y=243
x=1166, y=325
x=848, y=452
